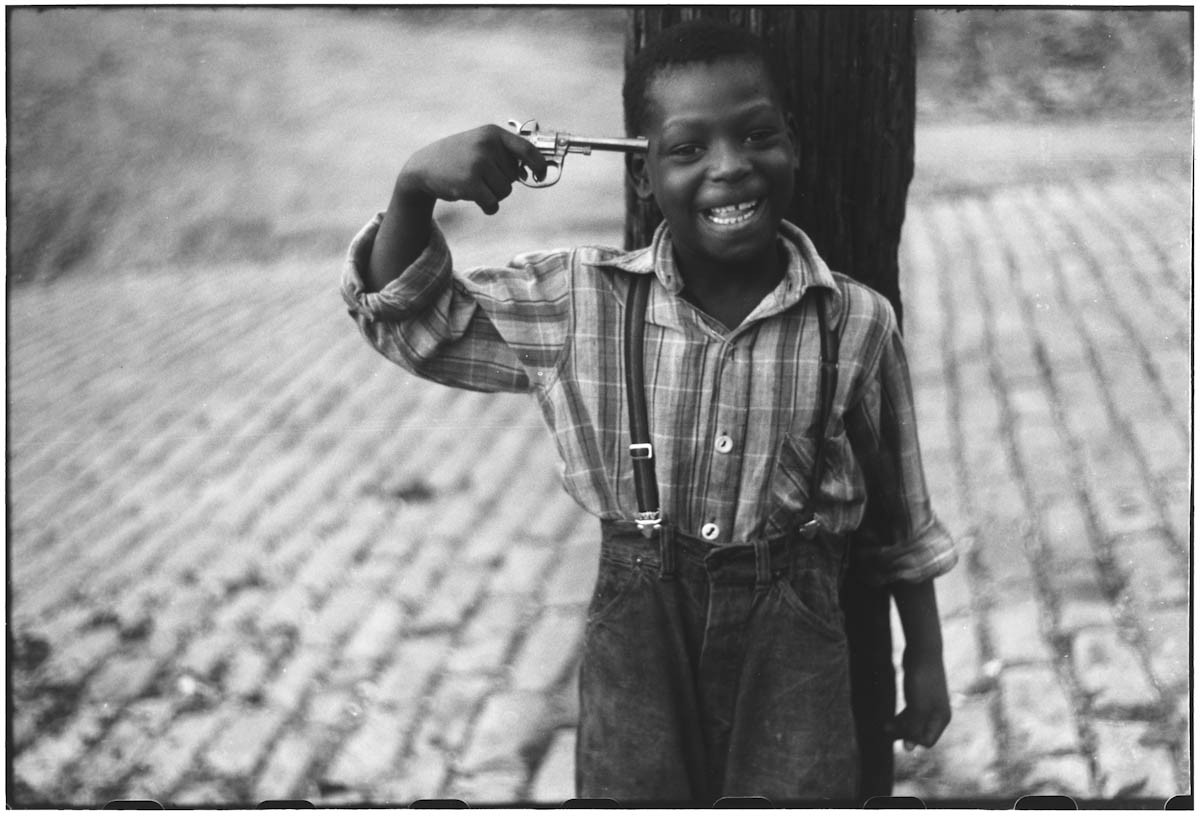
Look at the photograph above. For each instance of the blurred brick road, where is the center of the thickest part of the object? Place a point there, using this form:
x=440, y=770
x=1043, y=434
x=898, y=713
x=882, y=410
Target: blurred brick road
x=251, y=560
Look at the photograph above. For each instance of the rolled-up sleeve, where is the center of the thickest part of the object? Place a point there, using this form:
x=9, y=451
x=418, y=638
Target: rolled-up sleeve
x=883, y=428
x=412, y=292
x=485, y=329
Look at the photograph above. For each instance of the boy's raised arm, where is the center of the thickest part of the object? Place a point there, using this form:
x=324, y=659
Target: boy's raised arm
x=477, y=165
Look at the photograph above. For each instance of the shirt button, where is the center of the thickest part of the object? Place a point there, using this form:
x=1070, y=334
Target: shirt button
x=710, y=531
x=724, y=444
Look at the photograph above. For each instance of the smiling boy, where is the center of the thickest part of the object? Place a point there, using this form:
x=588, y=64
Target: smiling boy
x=714, y=661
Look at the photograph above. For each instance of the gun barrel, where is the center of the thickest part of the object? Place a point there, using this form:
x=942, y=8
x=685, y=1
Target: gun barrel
x=621, y=145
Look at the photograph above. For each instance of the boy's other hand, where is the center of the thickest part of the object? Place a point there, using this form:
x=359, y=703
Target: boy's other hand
x=477, y=165
x=927, y=702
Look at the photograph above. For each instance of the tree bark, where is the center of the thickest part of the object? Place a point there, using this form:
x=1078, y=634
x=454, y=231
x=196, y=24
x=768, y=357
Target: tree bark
x=850, y=83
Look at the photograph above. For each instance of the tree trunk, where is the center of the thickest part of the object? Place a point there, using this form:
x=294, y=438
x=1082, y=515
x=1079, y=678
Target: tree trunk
x=851, y=85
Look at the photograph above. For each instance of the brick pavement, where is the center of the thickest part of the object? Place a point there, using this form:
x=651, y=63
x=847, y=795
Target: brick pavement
x=250, y=560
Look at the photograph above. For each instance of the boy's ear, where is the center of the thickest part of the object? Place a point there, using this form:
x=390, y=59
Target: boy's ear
x=793, y=136
x=639, y=174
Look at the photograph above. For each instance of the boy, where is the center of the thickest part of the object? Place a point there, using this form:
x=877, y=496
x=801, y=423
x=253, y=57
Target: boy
x=714, y=658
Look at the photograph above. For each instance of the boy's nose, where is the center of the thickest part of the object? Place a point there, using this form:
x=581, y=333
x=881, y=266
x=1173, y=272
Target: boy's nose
x=728, y=161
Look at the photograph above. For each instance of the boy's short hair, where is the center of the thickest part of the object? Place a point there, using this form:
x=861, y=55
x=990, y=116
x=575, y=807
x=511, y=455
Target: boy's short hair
x=698, y=40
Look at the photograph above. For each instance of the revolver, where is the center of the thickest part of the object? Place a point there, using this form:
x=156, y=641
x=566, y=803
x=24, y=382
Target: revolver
x=555, y=147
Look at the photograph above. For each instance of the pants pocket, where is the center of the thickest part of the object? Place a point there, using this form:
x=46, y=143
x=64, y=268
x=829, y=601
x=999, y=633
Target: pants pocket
x=614, y=582
x=812, y=597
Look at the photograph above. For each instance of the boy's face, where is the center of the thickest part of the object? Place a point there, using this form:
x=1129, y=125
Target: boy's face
x=721, y=161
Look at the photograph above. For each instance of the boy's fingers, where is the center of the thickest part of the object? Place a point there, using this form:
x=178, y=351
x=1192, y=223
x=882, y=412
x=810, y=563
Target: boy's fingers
x=486, y=199
x=524, y=150
x=933, y=723
x=908, y=726
x=934, y=729
x=508, y=165
x=490, y=187
x=915, y=729
x=498, y=180
x=901, y=725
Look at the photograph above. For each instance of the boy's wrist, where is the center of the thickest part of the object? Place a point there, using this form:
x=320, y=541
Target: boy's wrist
x=410, y=193
x=920, y=651
x=923, y=640
x=917, y=605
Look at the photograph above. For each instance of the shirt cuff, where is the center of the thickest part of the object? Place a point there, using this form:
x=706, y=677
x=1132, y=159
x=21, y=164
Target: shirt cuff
x=930, y=554
x=410, y=292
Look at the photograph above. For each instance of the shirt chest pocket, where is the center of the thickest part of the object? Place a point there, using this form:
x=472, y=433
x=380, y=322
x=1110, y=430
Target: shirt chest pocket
x=841, y=480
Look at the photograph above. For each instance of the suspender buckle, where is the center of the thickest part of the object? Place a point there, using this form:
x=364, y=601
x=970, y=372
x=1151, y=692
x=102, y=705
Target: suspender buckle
x=648, y=521
x=641, y=450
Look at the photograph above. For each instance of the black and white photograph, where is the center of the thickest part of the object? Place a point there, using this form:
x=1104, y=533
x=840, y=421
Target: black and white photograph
x=599, y=406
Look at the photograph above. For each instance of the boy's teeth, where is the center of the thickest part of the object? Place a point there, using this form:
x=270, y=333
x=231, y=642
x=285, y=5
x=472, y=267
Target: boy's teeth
x=732, y=213
x=732, y=208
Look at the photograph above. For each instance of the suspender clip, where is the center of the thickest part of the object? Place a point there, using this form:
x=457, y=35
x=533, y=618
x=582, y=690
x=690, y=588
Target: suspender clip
x=648, y=521
x=810, y=528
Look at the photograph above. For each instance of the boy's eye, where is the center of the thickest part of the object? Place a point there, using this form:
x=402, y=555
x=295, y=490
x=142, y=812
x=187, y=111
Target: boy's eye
x=684, y=151
x=759, y=136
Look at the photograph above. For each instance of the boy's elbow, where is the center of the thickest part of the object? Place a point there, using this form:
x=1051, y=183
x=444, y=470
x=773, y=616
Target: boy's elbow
x=894, y=566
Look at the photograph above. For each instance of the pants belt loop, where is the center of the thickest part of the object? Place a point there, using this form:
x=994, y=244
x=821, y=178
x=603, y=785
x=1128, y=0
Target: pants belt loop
x=762, y=564
x=666, y=553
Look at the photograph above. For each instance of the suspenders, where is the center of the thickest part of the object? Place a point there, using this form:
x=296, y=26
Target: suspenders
x=830, y=340
x=641, y=451
x=649, y=513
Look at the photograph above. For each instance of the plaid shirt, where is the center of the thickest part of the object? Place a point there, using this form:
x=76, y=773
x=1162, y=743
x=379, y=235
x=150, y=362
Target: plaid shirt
x=731, y=412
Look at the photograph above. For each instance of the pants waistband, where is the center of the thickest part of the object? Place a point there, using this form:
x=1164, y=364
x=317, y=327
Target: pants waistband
x=752, y=563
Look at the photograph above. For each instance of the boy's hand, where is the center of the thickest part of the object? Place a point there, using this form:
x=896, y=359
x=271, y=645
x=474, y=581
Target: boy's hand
x=477, y=165
x=927, y=701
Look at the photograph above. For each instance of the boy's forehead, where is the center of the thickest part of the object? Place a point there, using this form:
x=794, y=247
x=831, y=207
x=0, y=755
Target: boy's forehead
x=717, y=76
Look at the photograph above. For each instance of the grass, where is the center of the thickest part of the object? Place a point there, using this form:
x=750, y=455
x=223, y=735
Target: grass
x=171, y=139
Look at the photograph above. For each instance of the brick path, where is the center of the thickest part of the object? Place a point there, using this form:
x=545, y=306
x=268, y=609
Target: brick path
x=251, y=560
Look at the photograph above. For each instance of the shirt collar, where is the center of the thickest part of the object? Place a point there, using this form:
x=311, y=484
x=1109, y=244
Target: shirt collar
x=804, y=266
